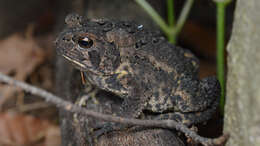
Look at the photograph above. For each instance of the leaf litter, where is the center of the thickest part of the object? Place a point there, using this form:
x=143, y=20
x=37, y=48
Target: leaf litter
x=24, y=57
x=19, y=56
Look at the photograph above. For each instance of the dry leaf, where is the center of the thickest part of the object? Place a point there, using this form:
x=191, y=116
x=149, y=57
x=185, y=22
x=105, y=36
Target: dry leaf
x=17, y=129
x=19, y=56
x=53, y=137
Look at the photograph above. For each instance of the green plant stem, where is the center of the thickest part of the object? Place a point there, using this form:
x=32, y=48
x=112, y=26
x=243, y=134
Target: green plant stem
x=155, y=16
x=220, y=50
x=183, y=16
x=170, y=31
x=171, y=19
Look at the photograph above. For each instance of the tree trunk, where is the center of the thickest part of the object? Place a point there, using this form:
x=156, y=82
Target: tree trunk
x=242, y=118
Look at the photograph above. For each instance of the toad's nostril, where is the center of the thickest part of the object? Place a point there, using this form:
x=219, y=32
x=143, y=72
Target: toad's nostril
x=66, y=38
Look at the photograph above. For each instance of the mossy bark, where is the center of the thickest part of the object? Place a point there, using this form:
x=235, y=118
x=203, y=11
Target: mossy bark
x=242, y=118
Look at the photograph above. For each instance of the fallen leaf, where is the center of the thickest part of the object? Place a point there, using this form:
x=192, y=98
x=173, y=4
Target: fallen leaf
x=19, y=129
x=53, y=137
x=19, y=56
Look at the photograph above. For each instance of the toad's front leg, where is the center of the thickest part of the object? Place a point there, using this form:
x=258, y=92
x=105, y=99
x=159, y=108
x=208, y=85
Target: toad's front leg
x=132, y=107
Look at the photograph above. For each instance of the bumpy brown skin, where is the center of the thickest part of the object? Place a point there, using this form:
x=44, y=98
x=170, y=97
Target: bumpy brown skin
x=140, y=66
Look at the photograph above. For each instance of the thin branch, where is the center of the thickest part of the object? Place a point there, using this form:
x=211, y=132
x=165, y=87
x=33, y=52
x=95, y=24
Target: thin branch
x=170, y=124
x=30, y=107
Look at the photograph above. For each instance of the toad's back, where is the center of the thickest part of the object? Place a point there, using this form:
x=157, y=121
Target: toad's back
x=139, y=65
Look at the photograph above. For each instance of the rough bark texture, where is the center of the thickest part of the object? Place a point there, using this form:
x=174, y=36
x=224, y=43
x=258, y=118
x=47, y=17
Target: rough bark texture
x=243, y=95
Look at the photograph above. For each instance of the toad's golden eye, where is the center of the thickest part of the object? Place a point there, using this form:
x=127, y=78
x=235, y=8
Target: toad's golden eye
x=85, y=42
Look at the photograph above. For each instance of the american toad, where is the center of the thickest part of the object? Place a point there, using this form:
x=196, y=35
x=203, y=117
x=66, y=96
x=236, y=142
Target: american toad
x=141, y=67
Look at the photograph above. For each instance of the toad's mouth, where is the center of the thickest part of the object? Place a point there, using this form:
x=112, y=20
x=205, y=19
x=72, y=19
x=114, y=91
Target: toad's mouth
x=84, y=68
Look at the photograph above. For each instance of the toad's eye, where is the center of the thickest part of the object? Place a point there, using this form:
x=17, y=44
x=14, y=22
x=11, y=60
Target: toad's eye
x=85, y=42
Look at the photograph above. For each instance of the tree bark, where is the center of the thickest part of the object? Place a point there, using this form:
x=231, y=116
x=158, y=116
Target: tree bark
x=242, y=118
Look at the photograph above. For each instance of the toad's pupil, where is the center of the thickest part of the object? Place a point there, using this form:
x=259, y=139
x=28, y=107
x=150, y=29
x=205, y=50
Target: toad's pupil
x=85, y=42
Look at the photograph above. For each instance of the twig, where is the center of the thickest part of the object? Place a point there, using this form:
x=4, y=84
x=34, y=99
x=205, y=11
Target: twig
x=30, y=107
x=170, y=124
